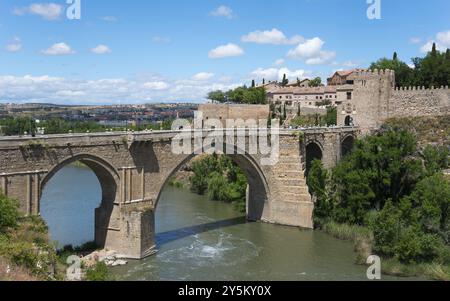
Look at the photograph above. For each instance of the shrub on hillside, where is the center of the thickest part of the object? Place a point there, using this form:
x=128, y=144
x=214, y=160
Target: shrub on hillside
x=9, y=213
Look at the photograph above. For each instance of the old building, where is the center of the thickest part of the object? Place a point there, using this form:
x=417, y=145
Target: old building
x=343, y=77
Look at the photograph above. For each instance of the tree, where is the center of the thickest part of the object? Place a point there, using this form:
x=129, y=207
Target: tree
x=431, y=197
x=436, y=159
x=316, y=82
x=285, y=80
x=236, y=95
x=395, y=57
x=217, y=96
x=404, y=75
x=433, y=50
x=431, y=70
x=317, y=183
x=253, y=83
x=331, y=118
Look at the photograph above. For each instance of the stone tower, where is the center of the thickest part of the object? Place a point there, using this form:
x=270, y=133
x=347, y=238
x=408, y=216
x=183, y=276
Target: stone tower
x=367, y=101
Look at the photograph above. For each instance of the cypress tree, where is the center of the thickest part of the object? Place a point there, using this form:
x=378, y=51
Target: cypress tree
x=433, y=50
x=285, y=80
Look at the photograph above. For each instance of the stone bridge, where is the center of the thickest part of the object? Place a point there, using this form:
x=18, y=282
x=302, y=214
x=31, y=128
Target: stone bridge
x=133, y=169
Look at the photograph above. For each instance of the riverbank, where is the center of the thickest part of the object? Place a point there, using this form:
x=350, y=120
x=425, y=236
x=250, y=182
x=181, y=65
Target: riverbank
x=26, y=252
x=363, y=241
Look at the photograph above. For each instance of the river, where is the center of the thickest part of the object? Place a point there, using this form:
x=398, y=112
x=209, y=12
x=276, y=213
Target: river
x=201, y=240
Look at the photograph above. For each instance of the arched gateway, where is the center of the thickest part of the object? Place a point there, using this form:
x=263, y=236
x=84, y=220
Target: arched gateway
x=133, y=169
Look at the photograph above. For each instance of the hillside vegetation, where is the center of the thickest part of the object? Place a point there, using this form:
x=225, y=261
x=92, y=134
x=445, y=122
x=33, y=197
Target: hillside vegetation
x=426, y=130
x=390, y=196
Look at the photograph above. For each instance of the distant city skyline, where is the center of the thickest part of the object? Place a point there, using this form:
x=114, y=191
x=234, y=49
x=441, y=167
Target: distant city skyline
x=131, y=52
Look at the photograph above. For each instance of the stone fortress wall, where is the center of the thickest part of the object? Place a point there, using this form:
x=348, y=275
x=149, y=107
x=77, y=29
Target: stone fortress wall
x=375, y=98
x=411, y=101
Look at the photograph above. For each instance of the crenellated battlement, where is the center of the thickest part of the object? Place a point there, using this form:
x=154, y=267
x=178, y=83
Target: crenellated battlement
x=375, y=73
x=421, y=88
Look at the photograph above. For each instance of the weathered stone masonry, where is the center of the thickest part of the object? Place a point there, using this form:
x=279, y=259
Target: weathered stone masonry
x=133, y=169
x=375, y=98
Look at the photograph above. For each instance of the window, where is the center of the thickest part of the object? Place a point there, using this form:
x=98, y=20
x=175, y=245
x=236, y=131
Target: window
x=349, y=95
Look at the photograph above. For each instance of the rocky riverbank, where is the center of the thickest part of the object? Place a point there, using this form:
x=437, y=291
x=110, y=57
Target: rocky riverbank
x=109, y=258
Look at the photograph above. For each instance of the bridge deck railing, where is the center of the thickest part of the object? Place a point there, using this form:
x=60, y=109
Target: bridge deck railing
x=168, y=133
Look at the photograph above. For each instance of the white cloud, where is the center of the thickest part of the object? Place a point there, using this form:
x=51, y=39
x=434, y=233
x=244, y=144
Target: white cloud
x=158, y=85
x=14, y=46
x=48, y=89
x=442, y=42
x=101, y=49
x=229, y=50
x=429, y=46
x=307, y=49
x=444, y=38
x=273, y=36
x=203, y=76
x=323, y=57
x=58, y=49
x=278, y=73
x=48, y=11
x=160, y=40
x=279, y=62
x=311, y=51
x=223, y=11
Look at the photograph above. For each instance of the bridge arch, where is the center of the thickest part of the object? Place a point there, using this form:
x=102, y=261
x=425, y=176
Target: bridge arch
x=258, y=188
x=347, y=145
x=314, y=151
x=109, y=180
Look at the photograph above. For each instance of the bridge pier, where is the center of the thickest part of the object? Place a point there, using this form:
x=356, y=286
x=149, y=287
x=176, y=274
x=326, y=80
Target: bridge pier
x=131, y=236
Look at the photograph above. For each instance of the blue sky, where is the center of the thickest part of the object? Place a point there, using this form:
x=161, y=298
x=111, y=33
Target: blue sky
x=140, y=51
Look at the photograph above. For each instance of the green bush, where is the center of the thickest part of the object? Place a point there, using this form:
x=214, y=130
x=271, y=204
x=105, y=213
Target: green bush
x=386, y=229
x=221, y=179
x=99, y=272
x=414, y=246
x=9, y=213
x=436, y=159
x=432, y=199
x=37, y=260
